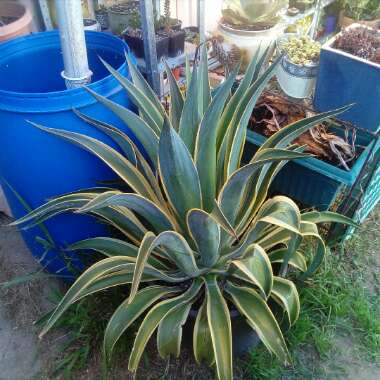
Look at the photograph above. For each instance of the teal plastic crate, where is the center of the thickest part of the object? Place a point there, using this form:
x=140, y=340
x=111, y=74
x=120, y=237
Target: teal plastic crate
x=313, y=182
x=364, y=197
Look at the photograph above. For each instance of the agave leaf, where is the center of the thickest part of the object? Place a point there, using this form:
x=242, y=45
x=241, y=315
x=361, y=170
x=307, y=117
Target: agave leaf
x=310, y=230
x=282, y=212
x=114, y=247
x=236, y=131
x=327, y=217
x=204, y=92
x=140, y=82
x=257, y=268
x=178, y=173
x=144, y=252
x=273, y=238
x=190, y=118
x=205, y=148
x=121, y=277
x=97, y=270
x=264, y=57
x=144, y=133
x=219, y=322
x=286, y=135
x=120, y=165
x=256, y=191
x=235, y=99
x=178, y=251
x=159, y=220
x=154, y=317
x=218, y=215
x=59, y=204
x=153, y=115
x=122, y=219
x=260, y=317
x=205, y=232
x=285, y=293
x=176, y=99
x=114, y=133
x=128, y=312
x=297, y=260
x=169, y=333
x=202, y=340
x=234, y=187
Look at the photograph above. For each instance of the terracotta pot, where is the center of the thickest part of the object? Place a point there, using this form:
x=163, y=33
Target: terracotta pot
x=21, y=25
x=345, y=21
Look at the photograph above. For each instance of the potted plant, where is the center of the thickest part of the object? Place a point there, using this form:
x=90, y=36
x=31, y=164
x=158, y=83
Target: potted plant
x=349, y=72
x=119, y=15
x=172, y=28
x=250, y=24
x=101, y=15
x=198, y=234
x=339, y=152
x=366, y=12
x=15, y=20
x=134, y=38
x=299, y=65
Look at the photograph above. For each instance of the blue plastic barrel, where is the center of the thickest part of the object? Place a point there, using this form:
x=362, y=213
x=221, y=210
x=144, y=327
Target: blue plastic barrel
x=37, y=165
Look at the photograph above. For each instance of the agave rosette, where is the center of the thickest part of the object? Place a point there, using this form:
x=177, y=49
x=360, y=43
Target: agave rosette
x=198, y=226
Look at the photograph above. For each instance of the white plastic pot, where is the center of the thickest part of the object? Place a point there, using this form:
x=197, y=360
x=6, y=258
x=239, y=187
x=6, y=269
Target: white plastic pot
x=250, y=41
x=295, y=80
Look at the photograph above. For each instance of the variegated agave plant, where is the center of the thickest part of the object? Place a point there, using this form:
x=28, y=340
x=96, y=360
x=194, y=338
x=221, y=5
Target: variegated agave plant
x=198, y=226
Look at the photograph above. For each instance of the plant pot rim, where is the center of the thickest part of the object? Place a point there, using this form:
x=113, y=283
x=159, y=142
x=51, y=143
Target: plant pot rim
x=249, y=33
x=25, y=17
x=327, y=46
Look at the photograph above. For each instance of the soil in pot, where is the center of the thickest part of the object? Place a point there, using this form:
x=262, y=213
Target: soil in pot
x=133, y=37
x=273, y=112
x=256, y=27
x=361, y=42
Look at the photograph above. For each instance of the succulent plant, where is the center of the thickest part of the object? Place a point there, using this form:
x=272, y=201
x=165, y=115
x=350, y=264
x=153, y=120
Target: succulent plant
x=198, y=230
x=301, y=50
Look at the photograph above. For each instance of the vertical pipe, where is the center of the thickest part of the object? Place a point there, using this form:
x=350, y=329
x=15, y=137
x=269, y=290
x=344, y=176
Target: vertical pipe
x=45, y=12
x=91, y=9
x=149, y=36
x=316, y=18
x=73, y=44
x=201, y=21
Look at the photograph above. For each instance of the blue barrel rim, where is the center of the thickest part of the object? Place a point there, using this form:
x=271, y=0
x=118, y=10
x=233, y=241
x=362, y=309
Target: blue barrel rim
x=62, y=100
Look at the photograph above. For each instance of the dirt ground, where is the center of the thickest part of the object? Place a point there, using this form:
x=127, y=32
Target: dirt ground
x=24, y=357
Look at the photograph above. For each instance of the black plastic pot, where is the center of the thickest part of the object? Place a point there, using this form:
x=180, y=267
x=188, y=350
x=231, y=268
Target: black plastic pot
x=101, y=16
x=137, y=45
x=244, y=338
x=176, y=43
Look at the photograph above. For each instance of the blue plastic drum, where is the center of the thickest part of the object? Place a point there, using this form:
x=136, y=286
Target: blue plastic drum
x=37, y=165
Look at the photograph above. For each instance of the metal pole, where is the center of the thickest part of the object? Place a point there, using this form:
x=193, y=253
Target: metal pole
x=201, y=21
x=91, y=9
x=45, y=12
x=149, y=36
x=73, y=44
x=316, y=18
